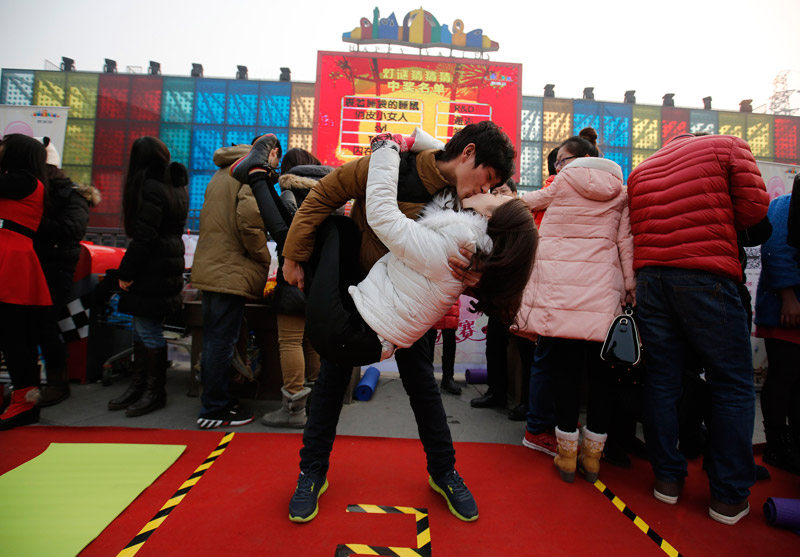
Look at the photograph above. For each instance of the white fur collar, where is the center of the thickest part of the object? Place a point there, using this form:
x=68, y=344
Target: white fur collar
x=444, y=210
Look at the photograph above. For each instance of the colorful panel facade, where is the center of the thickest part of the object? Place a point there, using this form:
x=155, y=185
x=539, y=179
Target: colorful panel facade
x=196, y=116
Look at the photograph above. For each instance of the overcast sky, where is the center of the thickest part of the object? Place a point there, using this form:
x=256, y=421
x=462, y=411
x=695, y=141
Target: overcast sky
x=729, y=50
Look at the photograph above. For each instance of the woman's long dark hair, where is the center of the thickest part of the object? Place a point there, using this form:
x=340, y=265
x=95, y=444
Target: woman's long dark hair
x=295, y=157
x=24, y=154
x=150, y=159
x=506, y=269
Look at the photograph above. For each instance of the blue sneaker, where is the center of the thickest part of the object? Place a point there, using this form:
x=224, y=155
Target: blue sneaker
x=460, y=501
x=304, y=507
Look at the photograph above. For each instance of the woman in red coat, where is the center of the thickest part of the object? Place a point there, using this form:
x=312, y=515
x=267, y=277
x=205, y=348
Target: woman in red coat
x=23, y=289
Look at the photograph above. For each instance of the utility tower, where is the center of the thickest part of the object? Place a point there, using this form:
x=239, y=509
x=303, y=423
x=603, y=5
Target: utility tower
x=779, y=102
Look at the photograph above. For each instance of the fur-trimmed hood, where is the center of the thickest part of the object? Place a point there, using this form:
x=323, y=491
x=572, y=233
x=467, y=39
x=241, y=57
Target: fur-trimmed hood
x=90, y=193
x=293, y=182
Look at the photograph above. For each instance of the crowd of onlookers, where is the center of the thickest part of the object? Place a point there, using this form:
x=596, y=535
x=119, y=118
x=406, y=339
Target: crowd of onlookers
x=670, y=243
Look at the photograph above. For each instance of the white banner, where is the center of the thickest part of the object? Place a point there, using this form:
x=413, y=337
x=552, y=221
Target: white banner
x=35, y=121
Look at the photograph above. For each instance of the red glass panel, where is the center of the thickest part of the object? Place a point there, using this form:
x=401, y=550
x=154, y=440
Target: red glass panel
x=112, y=96
x=146, y=98
x=786, y=131
x=674, y=121
x=109, y=182
x=140, y=129
x=109, y=143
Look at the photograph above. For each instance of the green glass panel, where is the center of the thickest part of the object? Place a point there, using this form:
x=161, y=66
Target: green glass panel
x=79, y=174
x=82, y=95
x=79, y=142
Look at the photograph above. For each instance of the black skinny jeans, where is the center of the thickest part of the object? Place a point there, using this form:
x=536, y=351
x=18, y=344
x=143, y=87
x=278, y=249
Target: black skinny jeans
x=343, y=340
x=566, y=361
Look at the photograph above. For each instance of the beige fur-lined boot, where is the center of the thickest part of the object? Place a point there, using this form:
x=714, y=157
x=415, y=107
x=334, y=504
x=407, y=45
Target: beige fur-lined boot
x=591, y=453
x=566, y=459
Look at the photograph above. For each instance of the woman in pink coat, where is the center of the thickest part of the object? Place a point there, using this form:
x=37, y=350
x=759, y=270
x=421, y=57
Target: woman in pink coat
x=582, y=276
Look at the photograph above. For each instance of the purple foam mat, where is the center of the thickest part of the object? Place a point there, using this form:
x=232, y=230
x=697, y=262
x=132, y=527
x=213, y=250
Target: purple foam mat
x=783, y=512
x=474, y=376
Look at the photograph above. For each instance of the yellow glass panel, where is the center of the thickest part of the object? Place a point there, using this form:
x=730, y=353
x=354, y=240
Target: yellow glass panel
x=760, y=135
x=556, y=120
x=302, y=105
x=49, y=89
x=732, y=123
x=646, y=132
x=639, y=155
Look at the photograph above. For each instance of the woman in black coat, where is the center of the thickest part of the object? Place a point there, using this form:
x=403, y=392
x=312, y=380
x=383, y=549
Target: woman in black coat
x=155, y=205
x=58, y=246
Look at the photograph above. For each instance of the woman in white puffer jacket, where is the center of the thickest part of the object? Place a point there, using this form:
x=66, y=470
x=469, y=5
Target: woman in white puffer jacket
x=411, y=287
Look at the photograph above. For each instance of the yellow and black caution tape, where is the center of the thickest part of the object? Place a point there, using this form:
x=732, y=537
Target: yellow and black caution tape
x=138, y=541
x=665, y=546
x=423, y=548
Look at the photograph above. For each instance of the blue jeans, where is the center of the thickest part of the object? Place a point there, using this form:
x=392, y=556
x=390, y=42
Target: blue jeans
x=541, y=402
x=222, y=321
x=147, y=330
x=684, y=311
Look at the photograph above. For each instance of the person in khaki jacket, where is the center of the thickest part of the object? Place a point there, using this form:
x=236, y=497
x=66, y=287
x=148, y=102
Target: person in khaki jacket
x=231, y=265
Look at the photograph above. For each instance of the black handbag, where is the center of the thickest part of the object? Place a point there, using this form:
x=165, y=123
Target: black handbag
x=622, y=345
x=289, y=300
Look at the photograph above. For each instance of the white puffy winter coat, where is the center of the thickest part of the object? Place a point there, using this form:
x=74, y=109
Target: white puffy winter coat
x=411, y=287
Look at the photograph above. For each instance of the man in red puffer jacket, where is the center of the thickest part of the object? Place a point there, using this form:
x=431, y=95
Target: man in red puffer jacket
x=687, y=201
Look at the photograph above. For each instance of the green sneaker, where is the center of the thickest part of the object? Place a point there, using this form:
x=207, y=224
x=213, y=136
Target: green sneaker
x=304, y=507
x=459, y=499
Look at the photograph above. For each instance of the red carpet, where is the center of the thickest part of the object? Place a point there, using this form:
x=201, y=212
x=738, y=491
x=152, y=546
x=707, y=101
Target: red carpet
x=239, y=506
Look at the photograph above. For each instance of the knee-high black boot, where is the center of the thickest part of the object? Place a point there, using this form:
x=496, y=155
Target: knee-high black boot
x=155, y=395
x=136, y=386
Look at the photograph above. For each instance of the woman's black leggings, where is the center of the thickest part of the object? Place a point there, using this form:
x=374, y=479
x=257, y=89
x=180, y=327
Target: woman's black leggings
x=19, y=338
x=780, y=395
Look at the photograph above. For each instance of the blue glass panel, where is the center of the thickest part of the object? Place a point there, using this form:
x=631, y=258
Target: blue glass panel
x=274, y=106
x=240, y=135
x=210, y=97
x=205, y=140
x=177, y=104
x=585, y=114
x=532, y=110
x=283, y=137
x=617, y=125
x=178, y=138
x=530, y=172
x=17, y=88
x=242, y=103
x=703, y=121
x=197, y=191
x=621, y=156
